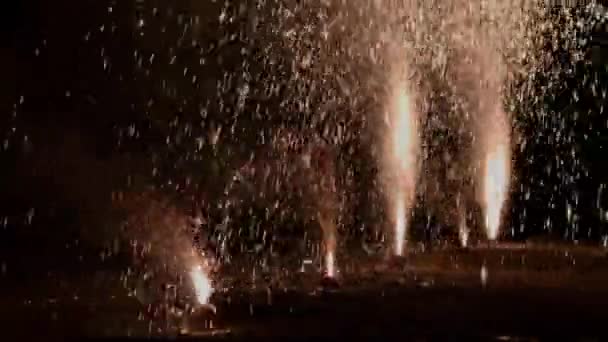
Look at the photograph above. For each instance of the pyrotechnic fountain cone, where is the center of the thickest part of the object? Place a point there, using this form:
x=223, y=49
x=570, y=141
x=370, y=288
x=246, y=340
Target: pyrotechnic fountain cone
x=401, y=161
x=200, y=318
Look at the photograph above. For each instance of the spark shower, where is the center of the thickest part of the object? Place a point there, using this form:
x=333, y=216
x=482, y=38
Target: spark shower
x=470, y=62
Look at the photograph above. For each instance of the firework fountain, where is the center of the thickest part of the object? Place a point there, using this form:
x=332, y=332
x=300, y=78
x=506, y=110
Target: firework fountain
x=401, y=157
x=202, y=285
x=468, y=45
x=202, y=314
x=496, y=172
x=485, y=60
x=484, y=63
x=329, y=243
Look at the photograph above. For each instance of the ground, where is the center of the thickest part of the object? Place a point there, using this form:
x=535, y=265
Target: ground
x=532, y=292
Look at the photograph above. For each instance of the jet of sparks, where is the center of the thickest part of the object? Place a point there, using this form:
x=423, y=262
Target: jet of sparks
x=403, y=158
x=496, y=183
x=400, y=229
x=330, y=264
x=329, y=242
x=202, y=285
x=463, y=232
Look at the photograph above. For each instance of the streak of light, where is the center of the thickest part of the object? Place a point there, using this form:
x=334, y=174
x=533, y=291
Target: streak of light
x=400, y=224
x=463, y=232
x=329, y=237
x=330, y=264
x=496, y=177
x=202, y=285
x=403, y=163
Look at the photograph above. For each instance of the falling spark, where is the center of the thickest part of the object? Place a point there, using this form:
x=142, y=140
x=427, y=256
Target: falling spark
x=496, y=182
x=202, y=285
x=403, y=164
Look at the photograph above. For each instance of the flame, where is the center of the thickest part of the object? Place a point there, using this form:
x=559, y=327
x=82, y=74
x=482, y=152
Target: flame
x=495, y=185
x=403, y=159
x=202, y=285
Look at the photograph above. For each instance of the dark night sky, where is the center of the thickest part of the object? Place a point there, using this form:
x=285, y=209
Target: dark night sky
x=64, y=113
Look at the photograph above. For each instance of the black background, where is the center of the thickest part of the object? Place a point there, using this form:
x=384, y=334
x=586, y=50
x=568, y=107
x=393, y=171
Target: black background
x=63, y=115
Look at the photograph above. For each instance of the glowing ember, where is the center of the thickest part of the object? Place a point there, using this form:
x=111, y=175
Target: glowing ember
x=495, y=184
x=402, y=160
x=202, y=285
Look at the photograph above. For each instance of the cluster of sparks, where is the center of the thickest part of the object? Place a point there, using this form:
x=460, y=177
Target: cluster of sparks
x=202, y=284
x=218, y=100
x=402, y=146
x=477, y=74
x=494, y=179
